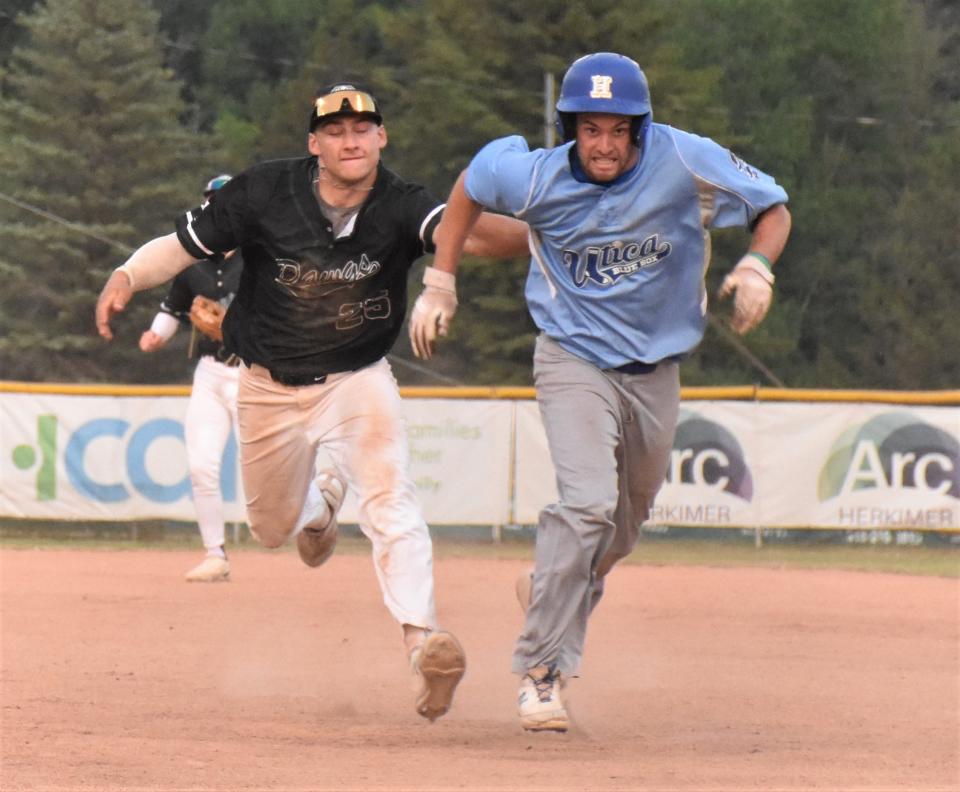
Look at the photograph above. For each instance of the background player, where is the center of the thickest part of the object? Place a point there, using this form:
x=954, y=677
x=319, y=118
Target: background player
x=618, y=218
x=328, y=241
x=212, y=408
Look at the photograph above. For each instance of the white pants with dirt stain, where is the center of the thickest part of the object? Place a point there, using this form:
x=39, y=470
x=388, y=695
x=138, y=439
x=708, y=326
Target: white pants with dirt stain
x=211, y=412
x=357, y=418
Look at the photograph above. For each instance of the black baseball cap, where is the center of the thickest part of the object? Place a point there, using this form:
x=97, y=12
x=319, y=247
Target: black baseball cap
x=342, y=99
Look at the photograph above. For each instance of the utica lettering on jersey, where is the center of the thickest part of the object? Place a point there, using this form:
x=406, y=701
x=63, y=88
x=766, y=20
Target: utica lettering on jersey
x=608, y=264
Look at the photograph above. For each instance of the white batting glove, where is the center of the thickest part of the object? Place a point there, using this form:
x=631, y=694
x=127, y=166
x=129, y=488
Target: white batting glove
x=433, y=311
x=753, y=284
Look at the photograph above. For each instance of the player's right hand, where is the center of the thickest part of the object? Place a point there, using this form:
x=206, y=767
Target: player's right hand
x=751, y=285
x=112, y=300
x=433, y=311
x=150, y=341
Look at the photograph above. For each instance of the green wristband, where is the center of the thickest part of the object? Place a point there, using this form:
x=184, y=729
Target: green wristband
x=762, y=259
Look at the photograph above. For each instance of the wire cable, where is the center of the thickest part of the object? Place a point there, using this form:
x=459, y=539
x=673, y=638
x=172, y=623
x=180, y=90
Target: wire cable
x=725, y=334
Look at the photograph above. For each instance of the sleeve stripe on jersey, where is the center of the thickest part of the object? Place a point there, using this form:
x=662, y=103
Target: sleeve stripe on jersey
x=426, y=221
x=194, y=237
x=533, y=182
x=533, y=240
x=753, y=209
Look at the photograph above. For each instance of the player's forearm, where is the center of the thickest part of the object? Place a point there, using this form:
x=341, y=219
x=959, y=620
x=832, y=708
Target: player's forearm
x=156, y=262
x=770, y=233
x=498, y=236
x=451, y=236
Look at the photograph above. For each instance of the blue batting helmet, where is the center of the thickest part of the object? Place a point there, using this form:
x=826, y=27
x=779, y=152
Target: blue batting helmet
x=216, y=183
x=603, y=82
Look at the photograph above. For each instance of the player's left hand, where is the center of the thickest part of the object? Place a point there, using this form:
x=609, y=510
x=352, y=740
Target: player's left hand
x=150, y=341
x=752, y=285
x=113, y=299
x=433, y=311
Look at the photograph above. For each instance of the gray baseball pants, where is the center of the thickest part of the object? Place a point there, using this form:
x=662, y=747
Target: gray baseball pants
x=610, y=436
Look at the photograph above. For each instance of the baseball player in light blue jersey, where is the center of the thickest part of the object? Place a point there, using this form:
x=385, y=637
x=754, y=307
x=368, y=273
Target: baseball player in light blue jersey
x=619, y=218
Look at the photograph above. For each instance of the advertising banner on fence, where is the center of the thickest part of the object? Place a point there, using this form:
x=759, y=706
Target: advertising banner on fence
x=776, y=465
x=460, y=459
x=712, y=473
x=485, y=462
x=102, y=458
x=860, y=466
x=123, y=458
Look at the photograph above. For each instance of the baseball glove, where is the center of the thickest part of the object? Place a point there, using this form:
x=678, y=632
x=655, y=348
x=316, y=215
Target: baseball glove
x=207, y=316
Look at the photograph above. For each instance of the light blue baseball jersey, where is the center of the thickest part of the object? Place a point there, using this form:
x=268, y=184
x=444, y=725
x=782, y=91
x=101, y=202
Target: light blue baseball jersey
x=617, y=270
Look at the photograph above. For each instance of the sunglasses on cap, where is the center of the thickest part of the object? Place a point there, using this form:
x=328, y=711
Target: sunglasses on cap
x=340, y=102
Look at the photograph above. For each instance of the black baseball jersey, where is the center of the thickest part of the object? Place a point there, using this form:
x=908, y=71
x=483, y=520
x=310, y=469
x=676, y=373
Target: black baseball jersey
x=310, y=303
x=217, y=278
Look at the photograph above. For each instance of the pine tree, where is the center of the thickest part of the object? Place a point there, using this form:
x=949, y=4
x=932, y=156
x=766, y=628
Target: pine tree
x=95, y=161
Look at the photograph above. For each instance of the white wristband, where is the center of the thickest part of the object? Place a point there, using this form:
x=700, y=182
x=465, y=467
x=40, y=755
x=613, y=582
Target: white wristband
x=440, y=279
x=752, y=263
x=164, y=325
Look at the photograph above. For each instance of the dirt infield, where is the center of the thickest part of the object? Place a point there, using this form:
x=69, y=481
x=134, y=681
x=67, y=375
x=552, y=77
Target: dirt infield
x=116, y=675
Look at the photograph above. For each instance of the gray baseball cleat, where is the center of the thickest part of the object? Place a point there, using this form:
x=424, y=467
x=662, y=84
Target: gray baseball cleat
x=316, y=544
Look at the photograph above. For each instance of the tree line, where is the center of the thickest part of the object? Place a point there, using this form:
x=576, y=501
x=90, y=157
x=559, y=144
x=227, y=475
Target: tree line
x=115, y=112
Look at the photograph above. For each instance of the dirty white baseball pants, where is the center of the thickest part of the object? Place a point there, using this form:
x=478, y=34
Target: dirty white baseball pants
x=357, y=418
x=610, y=436
x=211, y=411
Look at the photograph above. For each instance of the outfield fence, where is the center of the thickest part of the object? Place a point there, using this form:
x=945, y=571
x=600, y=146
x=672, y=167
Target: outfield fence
x=744, y=457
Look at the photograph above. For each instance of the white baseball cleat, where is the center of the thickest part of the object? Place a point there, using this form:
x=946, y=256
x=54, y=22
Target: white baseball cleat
x=540, y=703
x=316, y=544
x=439, y=664
x=211, y=570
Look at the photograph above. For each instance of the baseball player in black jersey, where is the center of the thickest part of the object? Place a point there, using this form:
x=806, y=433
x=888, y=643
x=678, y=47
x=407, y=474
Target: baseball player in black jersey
x=328, y=241
x=212, y=408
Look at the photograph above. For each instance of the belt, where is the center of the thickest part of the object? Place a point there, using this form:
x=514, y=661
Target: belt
x=228, y=360
x=297, y=380
x=636, y=367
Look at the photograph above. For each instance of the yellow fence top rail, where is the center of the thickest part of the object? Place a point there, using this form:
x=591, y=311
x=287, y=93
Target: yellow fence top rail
x=712, y=393
x=92, y=389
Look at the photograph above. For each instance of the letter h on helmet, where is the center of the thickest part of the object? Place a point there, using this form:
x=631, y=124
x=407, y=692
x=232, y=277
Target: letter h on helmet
x=603, y=82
